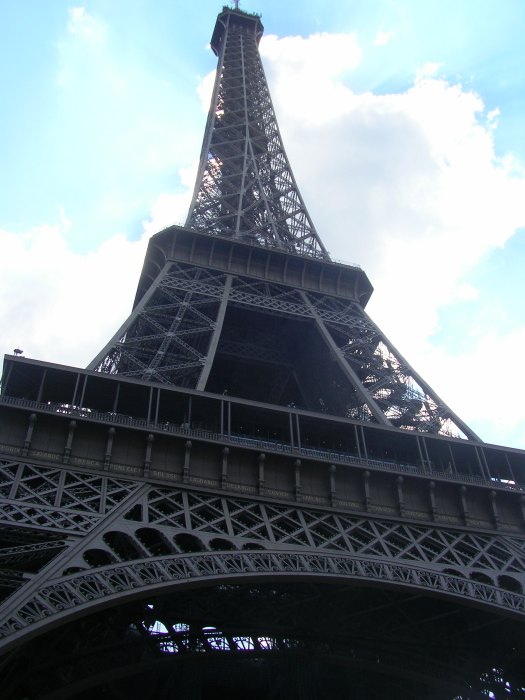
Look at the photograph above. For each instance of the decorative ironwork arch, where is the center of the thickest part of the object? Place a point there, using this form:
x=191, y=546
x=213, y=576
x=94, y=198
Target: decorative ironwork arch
x=87, y=591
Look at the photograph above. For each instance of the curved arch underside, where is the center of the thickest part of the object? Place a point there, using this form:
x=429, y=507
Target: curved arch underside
x=286, y=637
x=84, y=591
x=176, y=592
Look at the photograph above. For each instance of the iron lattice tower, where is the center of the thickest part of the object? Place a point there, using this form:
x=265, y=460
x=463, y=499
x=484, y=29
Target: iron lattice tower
x=249, y=490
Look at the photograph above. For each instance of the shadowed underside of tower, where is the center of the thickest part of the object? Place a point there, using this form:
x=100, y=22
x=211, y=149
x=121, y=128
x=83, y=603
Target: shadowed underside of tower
x=250, y=491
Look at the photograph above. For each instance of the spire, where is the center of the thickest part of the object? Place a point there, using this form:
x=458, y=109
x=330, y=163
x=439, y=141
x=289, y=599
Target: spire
x=245, y=187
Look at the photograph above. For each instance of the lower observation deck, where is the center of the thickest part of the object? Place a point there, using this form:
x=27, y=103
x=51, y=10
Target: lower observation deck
x=58, y=414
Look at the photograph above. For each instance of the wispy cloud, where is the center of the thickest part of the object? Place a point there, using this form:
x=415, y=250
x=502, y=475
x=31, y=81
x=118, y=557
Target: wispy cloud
x=61, y=306
x=428, y=70
x=86, y=26
x=383, y=37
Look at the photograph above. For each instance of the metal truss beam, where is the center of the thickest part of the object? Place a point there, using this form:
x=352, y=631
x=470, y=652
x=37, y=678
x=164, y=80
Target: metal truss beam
x=245, y=187
x=217, y=538
x=183, y=350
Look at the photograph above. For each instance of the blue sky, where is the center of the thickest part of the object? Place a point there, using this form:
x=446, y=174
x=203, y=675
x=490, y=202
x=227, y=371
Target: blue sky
x=403, y=121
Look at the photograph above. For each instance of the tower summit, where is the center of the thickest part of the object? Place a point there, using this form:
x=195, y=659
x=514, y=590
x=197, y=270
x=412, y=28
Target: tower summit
x=249, y=491
x=245, y=187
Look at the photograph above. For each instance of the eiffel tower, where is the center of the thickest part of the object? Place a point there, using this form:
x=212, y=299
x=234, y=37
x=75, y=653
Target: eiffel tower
x=249, y=491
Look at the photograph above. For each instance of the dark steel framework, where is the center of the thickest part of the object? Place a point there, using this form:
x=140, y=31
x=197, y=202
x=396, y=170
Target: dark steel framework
x=250, y=491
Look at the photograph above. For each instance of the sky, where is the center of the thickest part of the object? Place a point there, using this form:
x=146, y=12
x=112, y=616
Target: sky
x=404, y=124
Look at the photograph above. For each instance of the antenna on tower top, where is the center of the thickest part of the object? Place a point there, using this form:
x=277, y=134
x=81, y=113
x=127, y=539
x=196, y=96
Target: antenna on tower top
x=236, y=3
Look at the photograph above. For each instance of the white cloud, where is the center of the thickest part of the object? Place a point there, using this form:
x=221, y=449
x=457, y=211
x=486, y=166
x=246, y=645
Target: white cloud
x=407, y=185
x=492, y=118
x=86, y=26
x=82, y=48
x=168, y=209
x=428, y=70
x=296, y=64
x=205, y=90
x=490, y=401
x=466, y=292
x=321, y=56
x=61, y=306
x=382, y=38
x=65, y=223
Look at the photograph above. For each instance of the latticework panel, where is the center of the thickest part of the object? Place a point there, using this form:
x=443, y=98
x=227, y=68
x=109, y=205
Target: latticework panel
x=169, y=338
x=402, y=396
x=147, y=540
x=169, y=522
x=42, y=510
x=57, y=500
x=266, y=524
x=245, y=187
x=166, y=338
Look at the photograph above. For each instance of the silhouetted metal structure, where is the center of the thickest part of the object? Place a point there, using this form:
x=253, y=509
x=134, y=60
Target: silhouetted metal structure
x=250, y=491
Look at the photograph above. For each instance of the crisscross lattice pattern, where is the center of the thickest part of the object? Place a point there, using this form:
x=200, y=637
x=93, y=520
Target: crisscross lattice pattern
x=245, y=187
